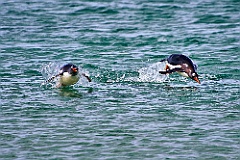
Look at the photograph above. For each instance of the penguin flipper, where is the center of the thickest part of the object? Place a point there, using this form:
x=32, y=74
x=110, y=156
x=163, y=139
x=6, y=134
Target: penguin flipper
x=52, y=78
x=163, y=60
x=163, y=72
x=88, y=78
x=168, y=71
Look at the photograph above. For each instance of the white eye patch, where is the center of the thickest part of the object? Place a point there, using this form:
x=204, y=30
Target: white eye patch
x=186, y=65
x=173, y=66
x=193, y=74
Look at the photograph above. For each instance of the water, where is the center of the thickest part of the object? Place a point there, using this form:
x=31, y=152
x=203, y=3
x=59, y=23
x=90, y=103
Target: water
x=128, y=111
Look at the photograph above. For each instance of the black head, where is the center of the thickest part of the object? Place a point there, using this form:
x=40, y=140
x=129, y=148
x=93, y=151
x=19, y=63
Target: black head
x=179, y=59
x=194, y=76
x=70, y=68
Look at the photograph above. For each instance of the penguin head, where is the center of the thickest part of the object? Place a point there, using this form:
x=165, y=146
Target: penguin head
x=73, y=70
x=70, y=68
x=194, y=76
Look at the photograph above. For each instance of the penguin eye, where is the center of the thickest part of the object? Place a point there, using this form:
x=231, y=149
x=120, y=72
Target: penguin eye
x=193, y=74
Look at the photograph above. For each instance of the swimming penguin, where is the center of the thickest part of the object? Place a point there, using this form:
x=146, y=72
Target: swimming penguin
x=68, y=75
x=181, y=64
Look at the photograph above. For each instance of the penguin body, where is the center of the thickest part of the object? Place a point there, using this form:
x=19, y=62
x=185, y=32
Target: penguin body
x=181, y=64
x=68, y=75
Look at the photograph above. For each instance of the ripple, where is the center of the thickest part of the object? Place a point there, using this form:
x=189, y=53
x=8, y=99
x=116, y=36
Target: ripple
x=129, y=110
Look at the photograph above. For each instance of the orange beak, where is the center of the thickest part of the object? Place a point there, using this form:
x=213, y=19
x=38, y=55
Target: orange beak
x=196, y=79
x=166, y=68
x=74, y=69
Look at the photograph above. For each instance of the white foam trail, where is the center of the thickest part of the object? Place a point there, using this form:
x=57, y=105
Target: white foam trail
x=151, y=73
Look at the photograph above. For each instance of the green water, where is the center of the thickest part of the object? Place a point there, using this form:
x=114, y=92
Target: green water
x=127, y=111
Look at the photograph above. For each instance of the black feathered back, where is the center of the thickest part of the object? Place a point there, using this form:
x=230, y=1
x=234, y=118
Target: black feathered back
x=176, y=59
x=66, y=67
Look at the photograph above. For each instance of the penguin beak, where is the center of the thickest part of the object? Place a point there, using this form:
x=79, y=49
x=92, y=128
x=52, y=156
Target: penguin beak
x=196, y=79
x=74, y=70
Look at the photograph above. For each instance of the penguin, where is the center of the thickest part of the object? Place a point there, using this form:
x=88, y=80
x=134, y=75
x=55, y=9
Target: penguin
x=68, y=75
x=181, y=64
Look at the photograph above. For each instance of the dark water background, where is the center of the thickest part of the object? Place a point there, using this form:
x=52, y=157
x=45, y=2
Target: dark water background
x=119, y=115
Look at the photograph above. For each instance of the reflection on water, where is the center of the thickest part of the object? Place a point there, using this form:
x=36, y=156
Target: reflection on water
x=73, y=92
x=181, y=87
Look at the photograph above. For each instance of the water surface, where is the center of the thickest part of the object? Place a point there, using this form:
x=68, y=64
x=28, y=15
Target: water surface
x=128, y=111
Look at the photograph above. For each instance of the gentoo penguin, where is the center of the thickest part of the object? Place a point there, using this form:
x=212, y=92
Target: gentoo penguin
x=181, y=64
x=68, y=75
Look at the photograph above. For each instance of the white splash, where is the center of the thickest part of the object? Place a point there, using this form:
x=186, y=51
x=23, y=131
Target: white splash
x=48, y=71
x=151, y=73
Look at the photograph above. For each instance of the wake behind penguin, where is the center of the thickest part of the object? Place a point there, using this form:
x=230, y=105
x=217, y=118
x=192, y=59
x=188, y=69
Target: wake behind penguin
x=151, y=73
